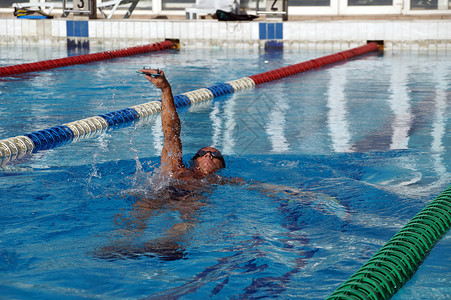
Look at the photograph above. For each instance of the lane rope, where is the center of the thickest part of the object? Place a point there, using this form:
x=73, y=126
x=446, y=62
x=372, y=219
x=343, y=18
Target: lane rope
x=398, y=260
x=83, y=59
x=20, y=146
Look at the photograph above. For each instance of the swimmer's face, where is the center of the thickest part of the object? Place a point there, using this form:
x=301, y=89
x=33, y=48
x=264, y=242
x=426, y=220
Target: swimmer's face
x=209, y=160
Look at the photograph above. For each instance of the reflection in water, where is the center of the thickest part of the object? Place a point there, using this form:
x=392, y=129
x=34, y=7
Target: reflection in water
x=275, y=128
x=438, y=134
x=402, y=120
x=223, y=130
x=216, y=124
x=400, y=105
x=338, y=114
x=439, y=124
x=439, y=131
x=229, y=126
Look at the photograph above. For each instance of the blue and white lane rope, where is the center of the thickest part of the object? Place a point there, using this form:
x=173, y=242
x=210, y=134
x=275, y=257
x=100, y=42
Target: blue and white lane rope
x=17, y=147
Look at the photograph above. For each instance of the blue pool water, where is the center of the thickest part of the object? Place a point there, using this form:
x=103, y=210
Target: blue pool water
x=348, y=155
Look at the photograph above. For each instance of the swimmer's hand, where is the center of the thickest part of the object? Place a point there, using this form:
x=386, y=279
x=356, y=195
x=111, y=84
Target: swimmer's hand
x=160, y=82
x=158, y=74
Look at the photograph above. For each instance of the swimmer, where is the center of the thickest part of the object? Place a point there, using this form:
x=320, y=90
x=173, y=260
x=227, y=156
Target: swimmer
x=206, y=162
x=183, y=196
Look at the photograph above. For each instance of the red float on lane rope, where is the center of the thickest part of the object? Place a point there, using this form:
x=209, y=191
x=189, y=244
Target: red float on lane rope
x=313, y=64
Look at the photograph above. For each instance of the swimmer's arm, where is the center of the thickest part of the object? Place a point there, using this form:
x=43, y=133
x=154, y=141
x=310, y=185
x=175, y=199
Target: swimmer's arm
x=269, y=190
x=320, y=201
x=232, y=180
x=265, y=188
x=171, y=155
x=272, y=190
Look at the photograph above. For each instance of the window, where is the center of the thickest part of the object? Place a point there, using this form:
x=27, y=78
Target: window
x=424, y=4
x=177, y=4
x=309, y=3
x=369, y=2
x=144, y=4
x=7, y=3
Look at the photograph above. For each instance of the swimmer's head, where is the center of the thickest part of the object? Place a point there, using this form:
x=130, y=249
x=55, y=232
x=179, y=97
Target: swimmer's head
x=208, y=160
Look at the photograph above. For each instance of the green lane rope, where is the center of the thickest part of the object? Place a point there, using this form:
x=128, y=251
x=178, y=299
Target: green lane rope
x=396, y=262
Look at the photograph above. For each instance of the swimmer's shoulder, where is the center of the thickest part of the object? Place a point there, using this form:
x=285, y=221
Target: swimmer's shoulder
x=186, y=174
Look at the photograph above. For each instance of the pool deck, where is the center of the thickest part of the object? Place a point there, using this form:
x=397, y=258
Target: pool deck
x=414, y=33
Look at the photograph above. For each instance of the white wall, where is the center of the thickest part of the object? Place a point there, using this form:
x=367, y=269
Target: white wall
x=400, y=34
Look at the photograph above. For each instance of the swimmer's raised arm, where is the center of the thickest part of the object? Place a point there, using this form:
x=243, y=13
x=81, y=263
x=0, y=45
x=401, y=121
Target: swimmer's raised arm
x=171, y=155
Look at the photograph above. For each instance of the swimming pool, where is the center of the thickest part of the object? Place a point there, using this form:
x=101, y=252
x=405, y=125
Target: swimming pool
x=369, y=140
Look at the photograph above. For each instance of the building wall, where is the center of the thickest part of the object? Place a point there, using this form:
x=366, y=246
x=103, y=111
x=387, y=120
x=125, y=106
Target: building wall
x=396, y=34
